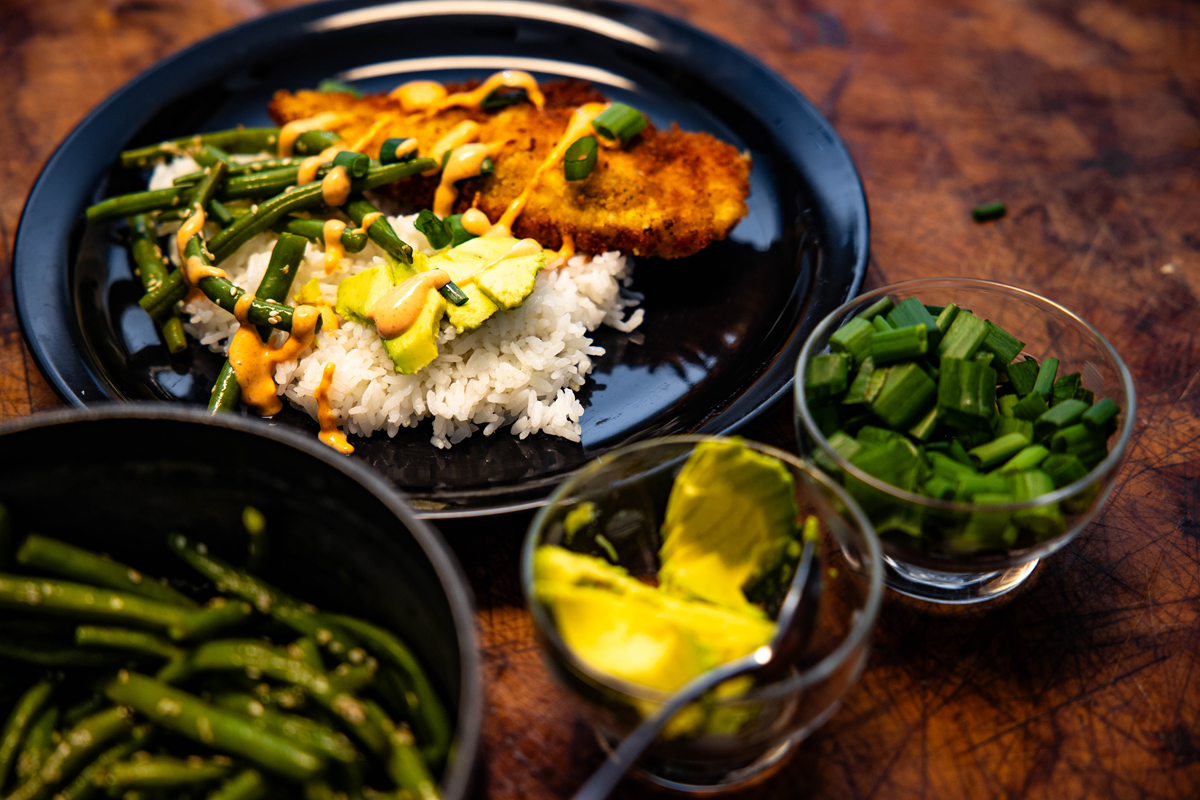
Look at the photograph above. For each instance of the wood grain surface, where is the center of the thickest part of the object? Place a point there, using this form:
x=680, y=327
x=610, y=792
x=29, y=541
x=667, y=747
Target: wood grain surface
x=1085, y=118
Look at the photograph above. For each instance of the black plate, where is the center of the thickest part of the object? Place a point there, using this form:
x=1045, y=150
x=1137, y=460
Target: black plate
x=722, y=328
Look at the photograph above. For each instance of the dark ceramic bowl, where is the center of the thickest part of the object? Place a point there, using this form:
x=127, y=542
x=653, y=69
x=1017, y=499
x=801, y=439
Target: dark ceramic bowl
x=118, y=479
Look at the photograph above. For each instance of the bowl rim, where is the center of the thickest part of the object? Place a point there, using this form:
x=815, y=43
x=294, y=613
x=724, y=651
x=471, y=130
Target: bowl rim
x=1110, y=463
x=468, y=729
x=858, y=635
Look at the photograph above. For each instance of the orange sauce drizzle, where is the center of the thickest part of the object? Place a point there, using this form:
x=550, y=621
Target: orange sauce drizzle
x=195, y=270
x=396, y=311
x=190, y=227
x=508, y=79
x=330, y=433
x=290, y=132
x=465, y=162
x=418, y=95
x=335, y=186
x=253, y=361
x=241, y=309
x=368, y=220
x=309, y=166
x=564, y=254
x=579, y=126
x=460, y=134
x=334, y=250
x=475, y=221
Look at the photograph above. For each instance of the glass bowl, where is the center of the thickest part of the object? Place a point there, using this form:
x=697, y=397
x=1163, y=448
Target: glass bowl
x=921, y=536
x=742, y=738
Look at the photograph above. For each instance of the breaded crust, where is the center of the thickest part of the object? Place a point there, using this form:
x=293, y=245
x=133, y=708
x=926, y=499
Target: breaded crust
x=668, y=193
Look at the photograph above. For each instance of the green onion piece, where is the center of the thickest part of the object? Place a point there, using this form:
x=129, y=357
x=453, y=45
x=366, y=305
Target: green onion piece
x=1031, y=407
x=1045, y=521
x=906, y=394
x=1100, y=415
x=1006, y=404
x=841, y=443
x=1064, y=469
x=853, y=338
x=899, y=344
x=333, y=85
x=923, y=428
x=1066, y=387
x=435, y=229
x=999, y=450
x=896, y=461
x=874, y=385
x=964, y=337
x=391, y=151
x=1044, y=385
x=910, y=312
x=989, y=211
x=580, y=159
x=1072, y=439
x=827, y=376
x=457, y=231
x=959, y=453
x=1028, y=458
x=1023, y=375
x=881, y=325
x=1007, y=425
x=826, y=416
x=984, y=357
x=1005, y=346
x=968, y=487
x=939, y=488
x=946, y=467
x=873, y=434
x=969, y=439
x=356, y=164
x=1063, y=415
x=987, y=529
x=619, y=122
x=966, y=394
x=857, y=393
x=879, y=308
x=945, y=318
x=1086, y=395
x=503, y=96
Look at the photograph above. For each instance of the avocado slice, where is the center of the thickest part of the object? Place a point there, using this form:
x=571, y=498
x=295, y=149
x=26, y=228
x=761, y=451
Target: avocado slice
x=725, y=487
x=505, y=284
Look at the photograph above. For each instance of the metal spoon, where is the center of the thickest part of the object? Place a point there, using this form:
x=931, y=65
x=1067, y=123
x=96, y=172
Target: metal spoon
x=792, y=631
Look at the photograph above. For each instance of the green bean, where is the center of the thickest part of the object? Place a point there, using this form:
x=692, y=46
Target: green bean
x=310, y=143
x=85, y=784
x=92, y=704
x=238, y=140
x=215, y=617
x=126, y=639
x=307, y=650
x=406, y=767
x=309, y=733
x=314, y=231
x=165, y=772
x=202, y=195
x=281, y=271
x=222, y=730
x=69, y=561
x=265, y=183
x=39, y=595
x=226, y=392
x=210, y=154
x=152, y=271
x=381, y=231
x=248, y=784
x=23, y=715
x=38, y=744
x=220, y=214
x=243, y=168
x=49, y=655
x=79, y=746
x=424, y=707
x=127, y=205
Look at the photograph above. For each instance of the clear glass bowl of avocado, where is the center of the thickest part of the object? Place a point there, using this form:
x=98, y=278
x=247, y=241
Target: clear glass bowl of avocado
x=669, y=557
x=980, y=427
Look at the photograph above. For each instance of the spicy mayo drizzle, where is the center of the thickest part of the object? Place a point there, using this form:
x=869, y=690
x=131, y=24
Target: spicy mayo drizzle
x=507, y=79
x=465, y=162
x=335, y=186
x=253, y=361
x=330, y=433
x=475, y=221
x=332, y=231
x=190, y=227
x=418, y=95
x=396, y=311
x=290, y=132
x=460, y=134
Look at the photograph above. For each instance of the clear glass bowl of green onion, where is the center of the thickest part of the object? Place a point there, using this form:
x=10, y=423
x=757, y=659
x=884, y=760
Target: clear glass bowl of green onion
x=602, y=576
x=979, y=426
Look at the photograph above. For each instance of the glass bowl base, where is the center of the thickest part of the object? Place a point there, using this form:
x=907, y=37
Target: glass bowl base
x=955, y=588
x=674, y=780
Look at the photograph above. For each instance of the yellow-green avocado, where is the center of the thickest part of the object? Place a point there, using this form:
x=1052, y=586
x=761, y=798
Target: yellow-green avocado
x=504, y=284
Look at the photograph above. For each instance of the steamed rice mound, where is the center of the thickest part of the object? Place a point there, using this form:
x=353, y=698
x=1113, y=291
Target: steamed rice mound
x=521, y=367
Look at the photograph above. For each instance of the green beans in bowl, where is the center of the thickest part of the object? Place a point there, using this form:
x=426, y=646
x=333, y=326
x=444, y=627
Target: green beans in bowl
x=979, y=426
x=202, y=607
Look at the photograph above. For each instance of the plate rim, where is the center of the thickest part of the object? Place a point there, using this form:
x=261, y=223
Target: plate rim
x=27, y=289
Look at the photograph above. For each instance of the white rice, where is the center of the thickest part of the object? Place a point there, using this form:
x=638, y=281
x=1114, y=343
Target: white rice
x=520, y=368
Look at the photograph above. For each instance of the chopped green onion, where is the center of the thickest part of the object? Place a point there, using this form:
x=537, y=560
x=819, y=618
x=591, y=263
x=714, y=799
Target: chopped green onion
x=1063, y=415
x=959, y=453
x=948, y=468
x=1045, y=521
x=910, y=312
x=987, y=529
x=985, y=357
x=1031, y=407
x=436, y=230
x=827, y=375
x=841, y=443
x=1100, y=415
x=945, y=318
x=902, y=343
x=1066, y=387
x=356, y=164
x=1005, y=346
x=906, y=393
x=457, y=231
x=1086, y=395
x=925, y=426
x=1028, y=458
x=1044, y=385
x=580, y=159
x=939, y=488
x=391, y=151
x=875, y=384
x=880, y=307
x=503, y=96
x=999, y=450
x=1072, y=439
x=857, y=393
x=334, y=85
x=964, y=337
x=989, y=211
x=969, y=485
x=619, y=122
x=1064, y=469
x=1007, y=425
x=1006, y=404
x=873, y=434
x=966, y=394
x=853, y=338
x=1023, y=375
x=881, y=325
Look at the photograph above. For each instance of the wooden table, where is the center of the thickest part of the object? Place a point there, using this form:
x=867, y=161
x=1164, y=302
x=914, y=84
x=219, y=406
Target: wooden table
x=1085, y=118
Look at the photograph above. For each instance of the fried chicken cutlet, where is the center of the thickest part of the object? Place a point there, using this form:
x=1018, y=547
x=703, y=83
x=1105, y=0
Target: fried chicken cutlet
x=666, y=193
